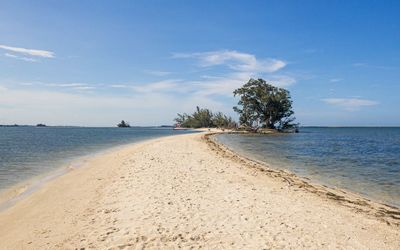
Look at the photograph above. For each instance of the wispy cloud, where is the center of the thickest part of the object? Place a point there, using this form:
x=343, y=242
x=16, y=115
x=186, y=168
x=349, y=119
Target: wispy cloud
x=30, y=52
x=166, y=85
x=119, y=86
x=169, y=85
x=225, y=85
x=84, y=87
x=158, y=72
x=336, y=80
x=10, y=55
x=350, y=104
x=282, y=81
x=222, y=85
x=60, y=86
x=170, y=95
x=67, y=85
x=235, y=60
x=367, y=65
x=241, y=67
x=23, y=58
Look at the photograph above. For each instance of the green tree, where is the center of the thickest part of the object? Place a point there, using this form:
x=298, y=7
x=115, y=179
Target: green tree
x=220, y=120
x=204, y=118
x=181, y=119
x=264, y=105
x=201, y=118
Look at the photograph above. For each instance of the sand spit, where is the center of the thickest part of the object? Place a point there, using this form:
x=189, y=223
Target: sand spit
x=186, y=192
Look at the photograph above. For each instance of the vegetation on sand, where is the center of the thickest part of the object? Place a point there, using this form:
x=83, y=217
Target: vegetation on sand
x=204, y=118
x=263, y=105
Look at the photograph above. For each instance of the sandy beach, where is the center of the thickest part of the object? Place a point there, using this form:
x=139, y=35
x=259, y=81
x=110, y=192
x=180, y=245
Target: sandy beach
x=187, y=191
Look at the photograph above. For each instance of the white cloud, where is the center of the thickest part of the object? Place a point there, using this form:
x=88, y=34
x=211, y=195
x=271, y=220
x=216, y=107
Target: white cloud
x=350, y=104
x=235, y=60
x=282, y=81
x=224, y=85
x=30, y=52
x=119, y=86
x=60, y=86
x=84, y=88
x=26, y=59
x=336, y=80
x=170, y=85
x=242, y=67
x=158, y=73
x=167, y=85
x=154, y=102
x=10, y=55
x=72, y=85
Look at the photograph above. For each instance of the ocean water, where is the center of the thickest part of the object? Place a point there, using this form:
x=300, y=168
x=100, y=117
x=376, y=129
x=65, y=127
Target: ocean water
x=363, y=160
x=26, y=152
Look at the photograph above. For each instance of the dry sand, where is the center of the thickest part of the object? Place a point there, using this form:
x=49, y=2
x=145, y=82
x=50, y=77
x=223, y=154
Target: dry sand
x=187, y=191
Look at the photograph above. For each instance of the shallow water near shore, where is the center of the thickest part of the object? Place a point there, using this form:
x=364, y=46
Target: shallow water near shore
x=26, y=152
x=362, y=160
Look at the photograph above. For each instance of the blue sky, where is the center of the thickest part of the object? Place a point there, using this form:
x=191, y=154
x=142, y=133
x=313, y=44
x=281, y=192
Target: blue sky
x=94, y=63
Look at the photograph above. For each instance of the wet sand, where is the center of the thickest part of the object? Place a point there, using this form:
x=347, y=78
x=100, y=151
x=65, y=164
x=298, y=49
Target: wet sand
x=188, y=191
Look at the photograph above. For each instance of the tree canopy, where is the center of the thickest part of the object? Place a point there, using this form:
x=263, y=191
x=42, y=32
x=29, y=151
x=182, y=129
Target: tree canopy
x=264, y=105
x=205, y=118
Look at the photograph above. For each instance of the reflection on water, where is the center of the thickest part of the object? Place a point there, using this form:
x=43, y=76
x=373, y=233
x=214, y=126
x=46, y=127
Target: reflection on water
x=30, y=151
x=363, y=160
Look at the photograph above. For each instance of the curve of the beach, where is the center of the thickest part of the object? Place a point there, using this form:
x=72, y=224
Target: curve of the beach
x=190, y=191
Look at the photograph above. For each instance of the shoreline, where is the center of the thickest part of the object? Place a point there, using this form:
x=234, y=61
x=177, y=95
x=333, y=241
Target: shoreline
x=386, y=212
x=379, y=187
x=187, y=190
x=23, y=188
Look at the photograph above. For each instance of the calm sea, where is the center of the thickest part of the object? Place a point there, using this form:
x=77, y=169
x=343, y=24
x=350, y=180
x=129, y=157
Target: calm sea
x=363, y=160
x=26, y=152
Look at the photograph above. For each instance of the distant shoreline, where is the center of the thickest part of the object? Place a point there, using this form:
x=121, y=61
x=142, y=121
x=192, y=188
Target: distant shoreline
x=171, y=126
x=76, y=126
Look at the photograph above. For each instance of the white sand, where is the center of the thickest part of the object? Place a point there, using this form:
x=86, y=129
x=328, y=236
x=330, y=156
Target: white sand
x=183, y=191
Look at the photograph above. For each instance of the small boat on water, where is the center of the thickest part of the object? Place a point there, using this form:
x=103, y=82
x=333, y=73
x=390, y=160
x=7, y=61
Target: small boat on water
x=178, y=127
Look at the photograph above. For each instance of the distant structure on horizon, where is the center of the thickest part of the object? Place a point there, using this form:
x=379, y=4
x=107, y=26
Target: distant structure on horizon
x=13, y=125
x=123, y=124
